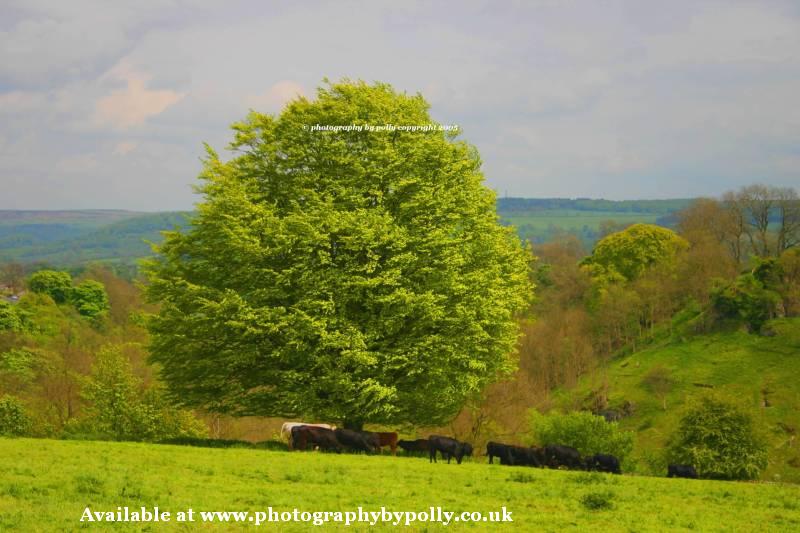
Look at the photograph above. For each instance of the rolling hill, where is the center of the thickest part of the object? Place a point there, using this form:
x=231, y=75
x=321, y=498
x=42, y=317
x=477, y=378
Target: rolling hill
x=760, y=370
x=71, y=238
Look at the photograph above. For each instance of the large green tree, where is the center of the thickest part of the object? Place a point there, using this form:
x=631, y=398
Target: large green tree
x=356, y=276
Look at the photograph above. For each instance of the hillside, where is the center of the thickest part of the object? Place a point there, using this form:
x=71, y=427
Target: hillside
x=762, y=370
x=78, y=239
x=46, y=485
x=71, y=238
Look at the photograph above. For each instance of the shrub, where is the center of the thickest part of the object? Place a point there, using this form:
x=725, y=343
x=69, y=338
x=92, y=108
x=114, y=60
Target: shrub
x=14, y=421
x=89, y=298
x=598, y=501
x=720, y=439
x=120, y=408
x=745, y=299
x=55, y=284
x=10, y=319
x=587, y=433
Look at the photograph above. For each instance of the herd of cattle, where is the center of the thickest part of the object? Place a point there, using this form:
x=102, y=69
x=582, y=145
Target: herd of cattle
x=330, y=438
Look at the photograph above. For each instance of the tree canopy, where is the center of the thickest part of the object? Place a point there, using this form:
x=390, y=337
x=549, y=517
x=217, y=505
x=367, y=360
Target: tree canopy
x=629, y=252
x=359, y=276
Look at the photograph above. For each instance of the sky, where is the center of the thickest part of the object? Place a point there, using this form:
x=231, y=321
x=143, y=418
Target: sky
x=108, y=104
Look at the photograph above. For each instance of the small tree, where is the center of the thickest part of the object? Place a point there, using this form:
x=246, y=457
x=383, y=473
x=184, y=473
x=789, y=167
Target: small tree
x=57, y=285
x=10, y=319
x=14, y=421
x=659, y=381
x=122, y=409
x=587, y=433
x=89, y=298
x=720, y=439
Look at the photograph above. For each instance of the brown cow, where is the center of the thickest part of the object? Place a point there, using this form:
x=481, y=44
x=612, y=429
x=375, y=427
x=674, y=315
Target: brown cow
x=387, y=439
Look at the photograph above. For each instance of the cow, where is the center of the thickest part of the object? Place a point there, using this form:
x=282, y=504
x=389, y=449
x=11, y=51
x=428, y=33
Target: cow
x=449, y=448
x=414, y=446
x=359, y=441
x=497, y=449
x=558, y=455
x=286, y=428
x=686, y=471
x=324, y=438
x=523, y=456
x=387, y=439
x=602, y=462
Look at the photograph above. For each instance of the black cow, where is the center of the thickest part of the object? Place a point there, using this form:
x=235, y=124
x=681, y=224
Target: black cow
x=497, y=449
x=449, y=448
x=360, y=441
x=325, y=439
x=687, y=471
x=419, y=446
x=602, y=462
x=557, y=455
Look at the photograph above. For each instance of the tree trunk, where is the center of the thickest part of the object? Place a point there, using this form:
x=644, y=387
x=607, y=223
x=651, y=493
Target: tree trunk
x=354, y=424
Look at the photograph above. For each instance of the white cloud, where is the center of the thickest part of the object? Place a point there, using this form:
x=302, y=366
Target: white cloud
x=124, y=148
x=277, y=96
x=131, y=106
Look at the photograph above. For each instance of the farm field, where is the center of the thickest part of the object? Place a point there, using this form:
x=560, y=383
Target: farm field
x=45, y=485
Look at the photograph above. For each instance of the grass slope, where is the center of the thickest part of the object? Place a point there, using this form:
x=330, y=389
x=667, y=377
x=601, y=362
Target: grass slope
x=751, y=367
x=45, y=486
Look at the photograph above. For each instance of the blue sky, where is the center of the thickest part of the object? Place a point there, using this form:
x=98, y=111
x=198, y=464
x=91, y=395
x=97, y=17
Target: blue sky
x=107, y=104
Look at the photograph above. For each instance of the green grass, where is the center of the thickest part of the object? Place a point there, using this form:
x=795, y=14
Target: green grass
x=45, y=485
x=742, y=364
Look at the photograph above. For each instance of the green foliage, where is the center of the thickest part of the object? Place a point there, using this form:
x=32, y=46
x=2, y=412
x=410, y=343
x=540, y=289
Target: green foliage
x=720, y=439
x=598, y=501
x=89, y=298
x=121, y=409
x=18, y=368
x=352, y=276
x=745, y=299
x=10, y=317
x=14, y=421
x=629, y=252
x=55, y=284
x=587, y=433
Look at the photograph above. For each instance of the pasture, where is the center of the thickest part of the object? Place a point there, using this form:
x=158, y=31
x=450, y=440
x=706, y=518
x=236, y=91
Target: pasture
x=45, y=485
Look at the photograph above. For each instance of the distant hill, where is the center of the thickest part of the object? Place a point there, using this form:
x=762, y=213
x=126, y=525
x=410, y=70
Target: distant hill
x=72, y=238
x=541, y=219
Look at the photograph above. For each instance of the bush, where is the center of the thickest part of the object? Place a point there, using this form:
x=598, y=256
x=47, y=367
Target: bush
x=55, y=284
x=587, y=433
x=120, y=408
x=89, y=298
x=746, y=299
x=10, y=318
x=14, y=421
x=720, y=439
x=598, y=501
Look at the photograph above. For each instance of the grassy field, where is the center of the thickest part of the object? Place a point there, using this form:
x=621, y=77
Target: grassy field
x=45, y=485
x=761, y=371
